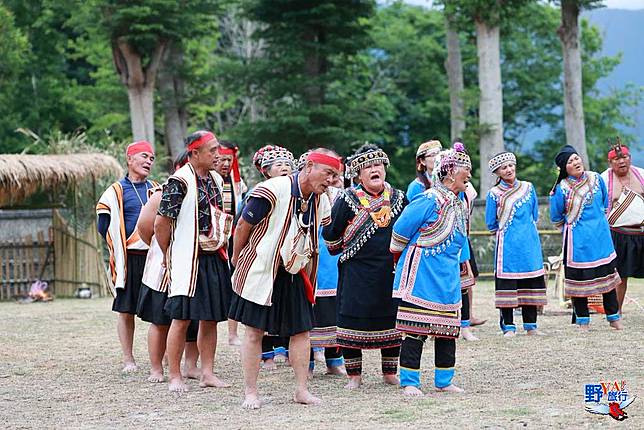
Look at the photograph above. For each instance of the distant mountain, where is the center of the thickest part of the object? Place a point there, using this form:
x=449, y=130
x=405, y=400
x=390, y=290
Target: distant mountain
x=623, y=31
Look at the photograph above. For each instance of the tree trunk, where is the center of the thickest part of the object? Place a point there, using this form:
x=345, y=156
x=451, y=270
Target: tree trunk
x=314, y=67
x=491, y=99
x=140, y=81
x=454, y=69
x=172, y=88
x=573, y=97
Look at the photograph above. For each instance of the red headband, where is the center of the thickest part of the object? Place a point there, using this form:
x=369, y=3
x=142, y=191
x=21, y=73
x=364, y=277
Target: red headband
x=612, y=154
x=327, y=160
x=138, y=147
x=235, y=164
x=206, y=137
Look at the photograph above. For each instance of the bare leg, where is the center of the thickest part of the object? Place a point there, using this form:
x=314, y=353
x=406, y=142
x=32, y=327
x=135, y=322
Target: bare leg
x=251, y=350
x=299, y=353
x=621, y=293
x=473, y=320
x=125, y=329
x=157, y=335
x=207, y=344
x=176, y=343
x=191, y=355
x=233, y=337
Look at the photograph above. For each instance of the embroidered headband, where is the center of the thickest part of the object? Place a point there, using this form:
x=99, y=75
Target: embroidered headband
x=447, y=161
x=326, y=159
x=617, y=151
x=206, y=137
x=431, y=147
x=301, y=162
x=270, y=154
x=138, y=147
x=500, y=159
x=373, y=155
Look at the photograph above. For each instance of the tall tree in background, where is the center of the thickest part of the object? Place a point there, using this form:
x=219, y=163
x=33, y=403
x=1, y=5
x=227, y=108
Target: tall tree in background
x=309, y=44
x=572, y=67
x=488, y=16
x=454, y=69
x=139, y=32
x=173, y=98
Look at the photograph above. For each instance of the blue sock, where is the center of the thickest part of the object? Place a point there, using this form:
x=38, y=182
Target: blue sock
x=334, y=362
x=613, y=317
x=443, y=377
x=529, y=326
x=409, y=377
x=465, y=323
x=583, y=320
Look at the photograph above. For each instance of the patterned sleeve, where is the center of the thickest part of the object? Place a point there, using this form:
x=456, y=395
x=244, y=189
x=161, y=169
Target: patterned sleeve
x=333, y=233
x=419, y=212
x=171, y=199
x=604, y=191
x=491, y=220
x=557, y=207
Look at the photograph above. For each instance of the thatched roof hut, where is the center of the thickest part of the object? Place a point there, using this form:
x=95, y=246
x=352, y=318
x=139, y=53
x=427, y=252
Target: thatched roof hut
x=23, y=175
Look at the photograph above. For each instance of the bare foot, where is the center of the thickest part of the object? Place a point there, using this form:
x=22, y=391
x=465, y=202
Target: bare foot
x=310, y=375
x=269, y=365
x=468, y=335
x=192, y=373
x=451, y=389
x=477, y=321
x=251, y=401
x=336, y=370
x=391, y=379
x=280, y=358
x=583, y=327
x=234, y=341
x=156, y=376
x=212, y=381
x=306, y=398
x=164, y=362
x=617, y=325
x=535, y=332
x=129, y=367
x=509, y=333
x=412, y=391
x=176, y=385
x=319, y=356
x=354, y=382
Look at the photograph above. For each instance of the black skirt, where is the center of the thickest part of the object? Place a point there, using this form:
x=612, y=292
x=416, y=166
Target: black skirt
x=150, y=306
x=512, y=293
x=291, y=313
x=324, y=312
x=127, y=298
x=630, y=254
x=212, y=293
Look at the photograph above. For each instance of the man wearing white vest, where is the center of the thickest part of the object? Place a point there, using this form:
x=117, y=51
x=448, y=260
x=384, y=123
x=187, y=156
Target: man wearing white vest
x=117, y=211
x=625, y=184
x=275, y=257
x=192, y=231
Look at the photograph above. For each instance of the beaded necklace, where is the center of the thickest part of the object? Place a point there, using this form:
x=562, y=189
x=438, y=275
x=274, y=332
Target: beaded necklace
x=382, y=217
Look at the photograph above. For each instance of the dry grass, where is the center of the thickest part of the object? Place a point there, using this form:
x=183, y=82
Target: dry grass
x=23, y=175
x=59, y=368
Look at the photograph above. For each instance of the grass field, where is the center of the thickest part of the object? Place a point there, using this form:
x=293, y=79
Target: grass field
x=60, y=368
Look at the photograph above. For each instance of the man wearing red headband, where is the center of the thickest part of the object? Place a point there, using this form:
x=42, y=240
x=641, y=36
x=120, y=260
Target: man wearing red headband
x=275, y=258
x=625, y=184
x=234, y=187
x=192, y=231
x=118, y=210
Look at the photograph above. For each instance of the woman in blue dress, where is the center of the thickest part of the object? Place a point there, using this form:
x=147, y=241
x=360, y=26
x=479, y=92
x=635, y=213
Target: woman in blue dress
x=428, y=237
x=425, y=156
x=511, y=213
x=578, y=204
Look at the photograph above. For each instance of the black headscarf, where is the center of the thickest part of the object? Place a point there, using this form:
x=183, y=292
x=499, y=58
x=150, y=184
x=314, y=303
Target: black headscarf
x=561, y=159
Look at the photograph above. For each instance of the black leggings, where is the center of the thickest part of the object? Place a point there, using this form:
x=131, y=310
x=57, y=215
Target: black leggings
x=580, y=305
x=465, y=306
x=529, y=314
x=412, y=350
x=269, y=343
x=388, y=357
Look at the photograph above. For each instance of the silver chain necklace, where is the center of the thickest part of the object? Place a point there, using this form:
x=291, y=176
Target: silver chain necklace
x=136, y=191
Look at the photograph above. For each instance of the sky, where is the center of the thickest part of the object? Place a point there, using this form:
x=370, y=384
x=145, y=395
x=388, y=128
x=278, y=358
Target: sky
x=613, y=4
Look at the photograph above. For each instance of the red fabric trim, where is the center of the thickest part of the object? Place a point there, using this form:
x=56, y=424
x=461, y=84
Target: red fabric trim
x=327, y=160
x=308, y=287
